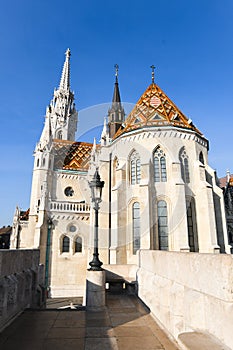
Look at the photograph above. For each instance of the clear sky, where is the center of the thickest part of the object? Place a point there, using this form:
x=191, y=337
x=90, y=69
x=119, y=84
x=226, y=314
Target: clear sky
x=189, y=42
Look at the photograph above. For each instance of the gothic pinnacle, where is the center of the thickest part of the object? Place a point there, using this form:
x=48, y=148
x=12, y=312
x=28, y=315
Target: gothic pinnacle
x=65, y=77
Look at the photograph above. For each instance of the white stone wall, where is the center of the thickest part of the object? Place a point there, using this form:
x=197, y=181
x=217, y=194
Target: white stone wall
x=189, y=291
x=148, y=192
x=21, y=283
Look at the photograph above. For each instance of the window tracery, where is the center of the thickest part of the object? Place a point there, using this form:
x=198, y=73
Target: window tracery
x=160, y=171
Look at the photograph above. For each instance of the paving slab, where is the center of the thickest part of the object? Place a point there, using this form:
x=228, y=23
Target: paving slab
x=124, y=324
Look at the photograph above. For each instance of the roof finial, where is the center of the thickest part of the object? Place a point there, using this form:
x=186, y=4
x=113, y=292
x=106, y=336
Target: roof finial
x=153, y=73
x=65, y=77
x=116, y=71
x=68, y=53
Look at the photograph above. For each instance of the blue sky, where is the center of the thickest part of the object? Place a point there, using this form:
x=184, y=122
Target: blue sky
x=189, y=42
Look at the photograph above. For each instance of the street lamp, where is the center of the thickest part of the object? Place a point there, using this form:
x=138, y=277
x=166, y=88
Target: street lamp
x=96, y=187
x=47, y=254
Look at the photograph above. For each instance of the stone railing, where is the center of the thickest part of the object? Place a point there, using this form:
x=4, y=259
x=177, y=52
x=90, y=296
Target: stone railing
x=21, y=283
x=69, y=207
x=189, y=292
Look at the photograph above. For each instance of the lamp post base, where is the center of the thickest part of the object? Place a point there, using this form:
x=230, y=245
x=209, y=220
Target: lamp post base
x=95, y=290
x=95, y=263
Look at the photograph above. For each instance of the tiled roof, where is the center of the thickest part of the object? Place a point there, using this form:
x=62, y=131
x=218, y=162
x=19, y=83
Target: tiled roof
x=154, y=108
x=5, y=230
x=223, y=181
x=71, y=155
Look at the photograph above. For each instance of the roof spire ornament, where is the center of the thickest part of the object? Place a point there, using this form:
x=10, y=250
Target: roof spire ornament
x=152, y=73
x=65, y=77
x=116, y=71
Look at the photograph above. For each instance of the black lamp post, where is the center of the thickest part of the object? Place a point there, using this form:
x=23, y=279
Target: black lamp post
x=50, y=225
x=96, y=187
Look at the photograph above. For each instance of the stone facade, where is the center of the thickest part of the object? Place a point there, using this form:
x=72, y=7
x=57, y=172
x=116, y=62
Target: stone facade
x=160, y=193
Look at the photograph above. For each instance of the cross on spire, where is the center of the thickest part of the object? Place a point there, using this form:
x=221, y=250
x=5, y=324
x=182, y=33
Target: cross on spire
x=152, y=73
x=116, y=71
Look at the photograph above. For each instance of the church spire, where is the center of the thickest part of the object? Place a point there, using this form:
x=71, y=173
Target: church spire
x=61, y=115
x=65, y=77
x=116, y=94
x=116, y=113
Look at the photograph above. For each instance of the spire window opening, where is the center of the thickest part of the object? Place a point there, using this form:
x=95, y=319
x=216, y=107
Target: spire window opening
x=59, y=135
x=135, y=169
x=201, y=158
x=136, y=227
x=184, y=165
x=160, y=170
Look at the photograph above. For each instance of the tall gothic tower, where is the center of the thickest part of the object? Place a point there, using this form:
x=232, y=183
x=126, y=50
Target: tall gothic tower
x=61, y=116
x=61, y=125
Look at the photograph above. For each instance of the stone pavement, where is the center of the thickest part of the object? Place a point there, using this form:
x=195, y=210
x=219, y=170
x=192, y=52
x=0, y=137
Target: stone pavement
x=125, y=324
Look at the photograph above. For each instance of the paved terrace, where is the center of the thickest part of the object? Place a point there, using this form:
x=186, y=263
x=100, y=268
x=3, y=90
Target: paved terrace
x=125, y=324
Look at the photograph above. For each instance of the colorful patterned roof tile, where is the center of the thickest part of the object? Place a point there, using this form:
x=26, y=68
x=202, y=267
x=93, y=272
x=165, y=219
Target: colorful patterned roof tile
x=72, y=155
x=154, y=108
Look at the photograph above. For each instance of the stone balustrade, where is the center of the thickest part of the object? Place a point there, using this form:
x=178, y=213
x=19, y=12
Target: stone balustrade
x=21, y=283
x=189, y=292
x=76, y=207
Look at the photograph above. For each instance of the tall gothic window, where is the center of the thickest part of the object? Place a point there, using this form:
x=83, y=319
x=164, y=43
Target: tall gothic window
x=192, y=226
x=184, y=165
x=160, y=171
x=136, y=227
x=135, y=168
x=162, y=225
x=78, y=245
x=65, y=244
x=201, y=158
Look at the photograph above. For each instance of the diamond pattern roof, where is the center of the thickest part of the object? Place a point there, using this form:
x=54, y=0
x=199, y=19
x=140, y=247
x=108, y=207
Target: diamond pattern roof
x=71, y=155
x=154, y=108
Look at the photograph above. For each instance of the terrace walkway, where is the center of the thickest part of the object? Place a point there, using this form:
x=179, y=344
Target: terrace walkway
x=125, y=324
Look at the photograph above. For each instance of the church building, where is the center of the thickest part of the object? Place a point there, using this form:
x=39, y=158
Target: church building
x=159, y=191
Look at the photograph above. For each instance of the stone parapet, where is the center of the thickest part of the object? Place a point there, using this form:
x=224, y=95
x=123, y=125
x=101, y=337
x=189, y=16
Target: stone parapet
x=21, y=283
x=189, y=292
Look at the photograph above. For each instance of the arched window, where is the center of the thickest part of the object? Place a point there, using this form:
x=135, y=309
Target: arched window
x=78, y=245
x=160, y=171
x=201, y=158
x=184, y=163
x=136, y=227
x=162, y=225
x=65, y=244
x=192, y=226
x=59, y=135
x=38, y=162
x=135, y=168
